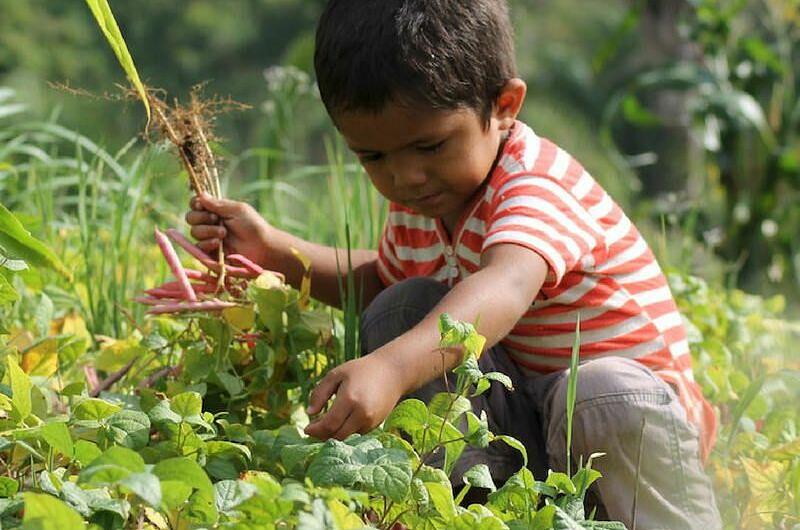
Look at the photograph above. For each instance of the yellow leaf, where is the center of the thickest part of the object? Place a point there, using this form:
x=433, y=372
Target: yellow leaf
x=763, y=478
x=41, y=359
x=345, y=519
x=21, y=339
x=305, y=283
x=70, y=324
x=114, y=354
x=5, y=403
x=787, y=451
x=240, y=317
x=268, y=280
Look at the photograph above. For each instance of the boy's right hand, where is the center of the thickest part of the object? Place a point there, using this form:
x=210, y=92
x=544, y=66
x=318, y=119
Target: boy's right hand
x=242, y=231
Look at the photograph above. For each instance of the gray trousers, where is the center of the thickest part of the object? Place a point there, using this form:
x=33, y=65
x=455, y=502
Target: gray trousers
x=614, y=394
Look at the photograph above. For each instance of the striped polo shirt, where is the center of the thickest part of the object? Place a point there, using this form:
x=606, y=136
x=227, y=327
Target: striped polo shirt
x=541, y=198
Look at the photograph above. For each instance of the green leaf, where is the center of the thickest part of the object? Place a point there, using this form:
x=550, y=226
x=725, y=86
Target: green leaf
x=410, y=416
x=457, y=405
x=187, y=405
x=8, y=487
x=334, y=465
x=20, y=391
x=441, y=496
x=94, y=409
x=21, y=244
x=477, y=518
x=112, y=466
x=297, y=454
x=8, y=295
x=181, y=479
x=146, y=486
x=501, y=378
x=319, y=518
x=516, y=444
x=479, y=476
x=543, y=520
x=519, y=495
x=182, y=469
x=561, y=482
x=130, y=428
x=43, y=314
x=58, y=437
x=584, y=478
x=45, y=512
x=105, y=19
x=86, y=452
x=392, y=480
x=470, y=369
x=228, y=494
x=162, y=413
x=478, y=434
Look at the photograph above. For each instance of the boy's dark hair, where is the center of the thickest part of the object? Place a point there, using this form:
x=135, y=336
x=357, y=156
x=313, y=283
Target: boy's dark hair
x=447, y=54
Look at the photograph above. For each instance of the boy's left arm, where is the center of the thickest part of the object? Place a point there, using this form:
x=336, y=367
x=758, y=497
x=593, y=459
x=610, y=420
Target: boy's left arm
x=367, y=389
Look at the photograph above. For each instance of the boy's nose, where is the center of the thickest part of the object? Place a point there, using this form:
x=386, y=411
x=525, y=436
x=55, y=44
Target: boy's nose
x=408, y=175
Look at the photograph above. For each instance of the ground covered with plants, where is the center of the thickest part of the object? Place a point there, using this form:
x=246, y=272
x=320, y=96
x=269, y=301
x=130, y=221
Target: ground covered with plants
x=145, y=385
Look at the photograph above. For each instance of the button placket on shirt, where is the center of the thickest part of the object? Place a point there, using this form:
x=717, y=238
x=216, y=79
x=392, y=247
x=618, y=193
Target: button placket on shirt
x=452, y=263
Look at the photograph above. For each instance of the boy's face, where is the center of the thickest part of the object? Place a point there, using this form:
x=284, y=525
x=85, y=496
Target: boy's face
x=431, y=161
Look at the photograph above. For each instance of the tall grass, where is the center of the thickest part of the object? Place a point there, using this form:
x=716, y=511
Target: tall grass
x=90, y=204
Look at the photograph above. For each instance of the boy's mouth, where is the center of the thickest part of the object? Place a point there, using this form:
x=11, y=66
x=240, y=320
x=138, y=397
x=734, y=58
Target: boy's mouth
x=427, y=200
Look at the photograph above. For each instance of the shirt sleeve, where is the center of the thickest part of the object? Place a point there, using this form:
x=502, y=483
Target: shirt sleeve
x=390, y=270
x=538, y=213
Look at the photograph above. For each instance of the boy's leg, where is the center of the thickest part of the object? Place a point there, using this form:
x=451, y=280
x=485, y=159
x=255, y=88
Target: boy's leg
x=614, y=394
x=399, y=308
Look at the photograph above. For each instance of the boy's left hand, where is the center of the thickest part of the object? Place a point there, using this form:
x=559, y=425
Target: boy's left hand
x=367, y=389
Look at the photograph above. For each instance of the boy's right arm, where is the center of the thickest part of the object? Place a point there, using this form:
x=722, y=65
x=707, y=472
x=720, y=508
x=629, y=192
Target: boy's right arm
x=244, y=231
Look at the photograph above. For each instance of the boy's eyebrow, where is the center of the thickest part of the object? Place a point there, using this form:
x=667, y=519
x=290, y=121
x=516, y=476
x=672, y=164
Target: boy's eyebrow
x=420, y=141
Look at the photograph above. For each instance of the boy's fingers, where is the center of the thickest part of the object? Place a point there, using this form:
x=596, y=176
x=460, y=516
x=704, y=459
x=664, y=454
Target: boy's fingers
x=202, y=232
x=222, y=207
x=197, y=217
x=323, y=392
x=353, y=423
x=209, y=245
x=331, y=422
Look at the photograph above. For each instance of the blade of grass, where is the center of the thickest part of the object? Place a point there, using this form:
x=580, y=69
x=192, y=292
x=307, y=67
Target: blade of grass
x=108, y=25
x=572, y=390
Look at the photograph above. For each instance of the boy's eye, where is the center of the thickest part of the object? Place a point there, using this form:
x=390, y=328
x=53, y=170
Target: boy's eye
x=370, y=157
x=432, y=148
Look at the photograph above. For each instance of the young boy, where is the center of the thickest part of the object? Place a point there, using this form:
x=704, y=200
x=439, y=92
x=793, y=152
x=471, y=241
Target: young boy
x=492, y=224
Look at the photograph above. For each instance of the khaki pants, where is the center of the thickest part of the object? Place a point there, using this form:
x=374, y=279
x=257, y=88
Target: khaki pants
x=614, y=394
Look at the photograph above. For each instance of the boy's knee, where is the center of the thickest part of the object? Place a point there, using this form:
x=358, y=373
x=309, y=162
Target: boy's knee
x=622, y=385
x=397, y=309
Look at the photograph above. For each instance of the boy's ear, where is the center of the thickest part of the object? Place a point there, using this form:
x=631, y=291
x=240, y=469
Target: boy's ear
x=509, y=103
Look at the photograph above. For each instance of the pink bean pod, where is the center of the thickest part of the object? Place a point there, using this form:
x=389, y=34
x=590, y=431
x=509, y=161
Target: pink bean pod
x=175, y=264
x=205, y=259
x=91, y=377
x=147, y=300
x=246, y=263
x=201, y=276
x=187, y=245
x=177, y=307
x=175, y=286
x=240, y=272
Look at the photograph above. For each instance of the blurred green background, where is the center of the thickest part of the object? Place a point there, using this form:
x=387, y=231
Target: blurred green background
x=686, y=111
